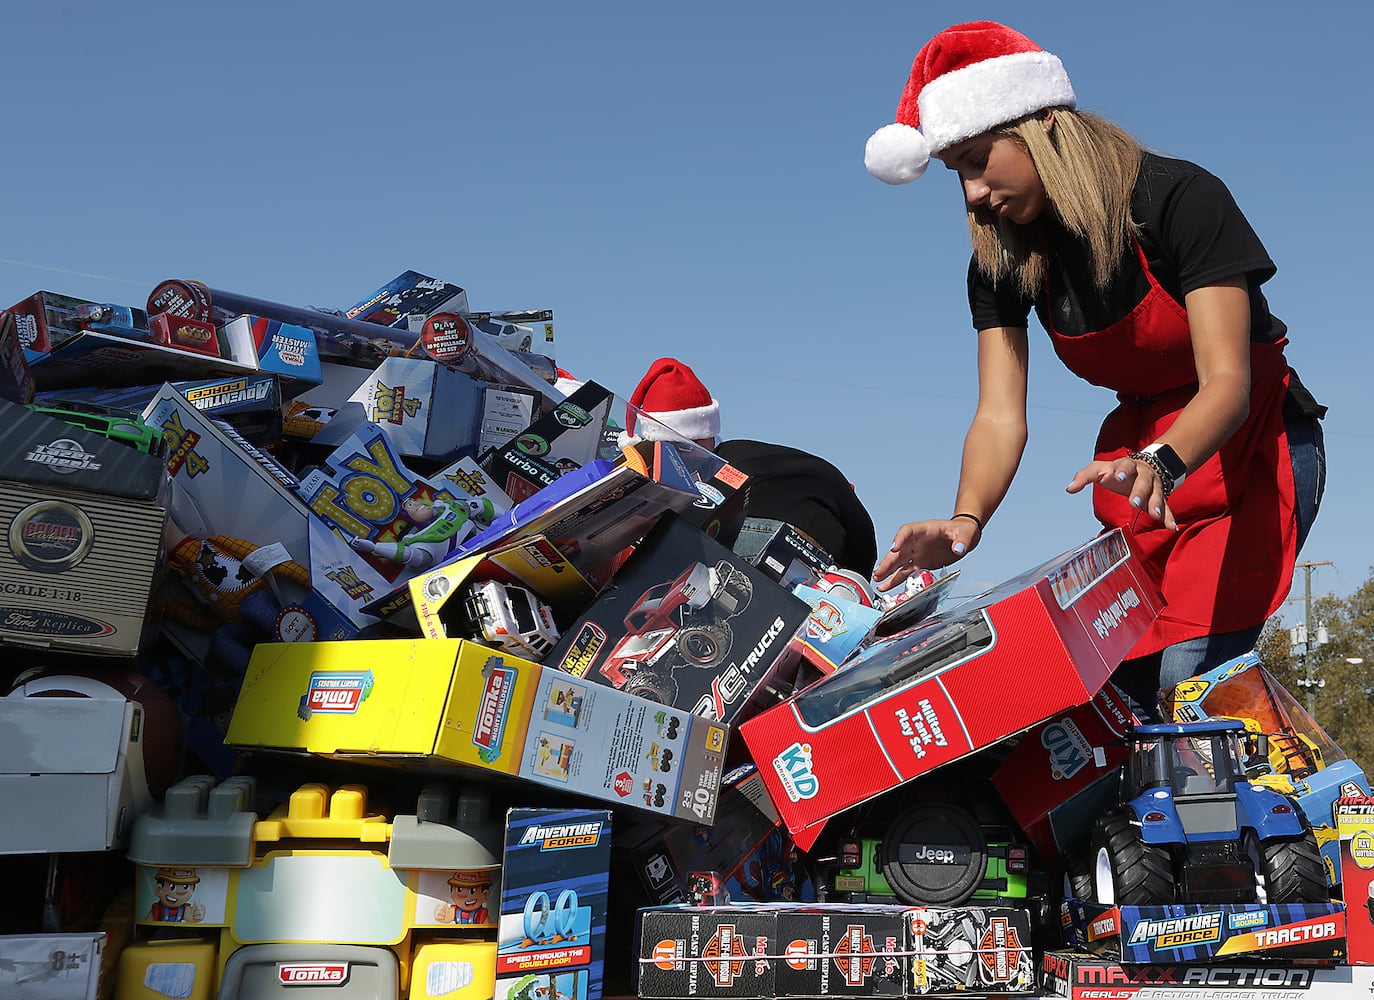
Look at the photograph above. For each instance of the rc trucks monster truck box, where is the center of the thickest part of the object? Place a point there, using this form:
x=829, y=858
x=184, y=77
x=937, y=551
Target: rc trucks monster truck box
x=956, y=683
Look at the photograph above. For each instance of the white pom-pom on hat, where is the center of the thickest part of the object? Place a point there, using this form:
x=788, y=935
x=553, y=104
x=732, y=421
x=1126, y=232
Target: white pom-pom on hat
x=896, y=154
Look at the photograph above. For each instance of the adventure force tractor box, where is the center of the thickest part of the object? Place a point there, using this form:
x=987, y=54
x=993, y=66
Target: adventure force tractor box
x=449, y=701
x=684, y=622
x=958, y=682
x=82, y=529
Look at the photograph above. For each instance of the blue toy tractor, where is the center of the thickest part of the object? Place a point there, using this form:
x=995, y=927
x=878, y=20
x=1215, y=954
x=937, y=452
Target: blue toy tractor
x=1192, y=829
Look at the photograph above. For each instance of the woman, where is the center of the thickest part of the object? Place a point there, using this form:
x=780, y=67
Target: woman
x=1147, y=278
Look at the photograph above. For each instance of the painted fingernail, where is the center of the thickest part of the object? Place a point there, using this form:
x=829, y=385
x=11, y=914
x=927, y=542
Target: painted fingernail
x=1155, y=511
x=1135, y=501
x=959, y=547
x=1121, y=476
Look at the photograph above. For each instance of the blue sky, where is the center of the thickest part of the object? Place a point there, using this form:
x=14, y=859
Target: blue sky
x=682, y=180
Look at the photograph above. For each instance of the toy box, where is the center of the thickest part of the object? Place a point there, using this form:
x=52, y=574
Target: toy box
x=722, y=489
x=832, y=632
x=51, y=966
x=84, y=525
x=1287, y=750
x=16, y=381
x=970, y=677
x=553, y=904
x=773, y=546
x=505, y=413
x=969, y=951
x=1064, y=773
x=447, y=701
x=1083, y=976
x=71, y=770
x=685, y=622
x=1355, y=824
x=1191, y=933
x=565, y=438
x=410, y=292
x=428, y=411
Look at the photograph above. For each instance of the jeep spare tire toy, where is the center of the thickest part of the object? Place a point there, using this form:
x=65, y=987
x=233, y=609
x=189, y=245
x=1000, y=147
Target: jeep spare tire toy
x=934, y=853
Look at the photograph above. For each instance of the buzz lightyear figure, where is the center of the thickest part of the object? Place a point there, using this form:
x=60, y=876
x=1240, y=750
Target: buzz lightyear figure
x=440, y=527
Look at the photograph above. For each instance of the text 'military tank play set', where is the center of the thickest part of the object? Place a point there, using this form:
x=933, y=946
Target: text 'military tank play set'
x=350, y=653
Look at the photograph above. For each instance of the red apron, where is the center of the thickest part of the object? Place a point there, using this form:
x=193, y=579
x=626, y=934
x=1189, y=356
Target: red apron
x=1230, y=564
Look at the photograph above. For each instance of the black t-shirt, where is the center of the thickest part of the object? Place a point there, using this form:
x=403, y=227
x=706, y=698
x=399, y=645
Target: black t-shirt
x=808, y=493
x=1192, y=233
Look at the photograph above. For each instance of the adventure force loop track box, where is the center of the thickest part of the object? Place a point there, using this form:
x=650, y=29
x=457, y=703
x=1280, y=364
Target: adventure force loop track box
x=961, y=681
x=82, y=537
x=684, y=622
x=1077, y=975
x=821, y=950
x=449, y=701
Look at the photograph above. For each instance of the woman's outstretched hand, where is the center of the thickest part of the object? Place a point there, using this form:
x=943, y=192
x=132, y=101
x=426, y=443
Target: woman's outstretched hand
x=925, y=545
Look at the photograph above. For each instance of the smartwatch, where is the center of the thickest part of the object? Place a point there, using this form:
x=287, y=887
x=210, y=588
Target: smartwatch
x=1168, y=458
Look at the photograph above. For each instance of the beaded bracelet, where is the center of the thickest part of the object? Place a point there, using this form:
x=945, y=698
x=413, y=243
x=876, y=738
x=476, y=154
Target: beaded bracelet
x=1166, y=481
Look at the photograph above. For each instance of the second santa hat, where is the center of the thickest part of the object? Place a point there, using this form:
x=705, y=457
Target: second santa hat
x=671, y=393
x=965, y=81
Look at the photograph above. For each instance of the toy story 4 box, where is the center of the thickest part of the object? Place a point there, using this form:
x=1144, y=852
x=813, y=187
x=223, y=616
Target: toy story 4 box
x=449, y=701
x=428, y=411
x=956, y=683
x=83, y=518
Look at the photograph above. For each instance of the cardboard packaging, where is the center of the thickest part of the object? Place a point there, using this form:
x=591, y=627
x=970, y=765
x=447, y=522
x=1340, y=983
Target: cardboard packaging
x=565, y=438
x=1065, y=772
x=718, y=951
x=833, y=631
x=84, y=524
x=1220, y=932
x=1083, y=976
x=955, y=684
x=71, y=770
x=723, y=490
x=1301, y=760
x=51, y=966
x=554, y=900
x=1355, y=824
x=407, y=293
x=428, y=411
x=960, y=951
x=685, y=622
x=447, y=701
x=16, y=381
x=774, y=546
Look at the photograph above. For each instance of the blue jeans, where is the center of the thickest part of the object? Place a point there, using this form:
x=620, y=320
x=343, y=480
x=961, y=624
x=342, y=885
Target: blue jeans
x=1142, y=680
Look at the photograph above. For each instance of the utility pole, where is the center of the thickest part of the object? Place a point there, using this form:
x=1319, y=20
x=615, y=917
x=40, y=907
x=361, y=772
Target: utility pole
x=1305, y=636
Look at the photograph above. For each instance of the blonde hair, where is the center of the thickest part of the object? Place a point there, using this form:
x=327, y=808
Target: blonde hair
x=1089, y=167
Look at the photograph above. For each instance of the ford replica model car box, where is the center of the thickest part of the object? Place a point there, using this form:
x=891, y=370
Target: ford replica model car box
x=449, y=701
x=961, y=681
x=83, y=522
x=684, y=622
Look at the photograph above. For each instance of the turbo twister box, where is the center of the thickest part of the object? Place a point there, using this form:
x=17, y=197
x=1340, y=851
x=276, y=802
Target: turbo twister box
x=440, y=701
x=427, y=411
x=1065, y=772
x=684, y=622
x=82, y=518
x=1355, y=823
x=1190, y=932
x=554, y=901
x=958, y=682
x=1285, y=748
x=1078, y=975
x=565, y=438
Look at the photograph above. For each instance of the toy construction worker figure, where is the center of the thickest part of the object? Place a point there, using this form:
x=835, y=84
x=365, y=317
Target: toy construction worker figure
x=440, y=526
x=469, y=891
x=173, y=888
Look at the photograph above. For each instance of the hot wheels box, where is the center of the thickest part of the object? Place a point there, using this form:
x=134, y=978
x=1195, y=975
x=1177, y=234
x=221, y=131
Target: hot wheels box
x=1065, y=772
x=954, y=684
x=1355, y=822
x=447, y=700
x=554, y=896
x=428, y=411
x=84, y=524
x=685, y=622
x=1190, y=932
x=1083, y=976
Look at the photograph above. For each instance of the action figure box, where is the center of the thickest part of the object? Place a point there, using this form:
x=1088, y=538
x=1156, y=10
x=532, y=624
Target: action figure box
x=554, y=900
x=83, y=517
x=1076, y=975
x=954, y=684
x=1187, y=933
x=1286, y=749
x=1355, y=826
x=71, y=768
x=1064, y=773
x=449, y=701
x=52, y=966
x=684, y=622
x=565, y=438
x=428, y=411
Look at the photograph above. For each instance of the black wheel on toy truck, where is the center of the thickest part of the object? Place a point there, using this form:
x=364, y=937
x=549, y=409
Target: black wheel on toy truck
x=652, y=686
x=934, y=854
x=1078, y=879
x=704, y=645
x=1293, y=871
x=1127, y=871
x=736, y=589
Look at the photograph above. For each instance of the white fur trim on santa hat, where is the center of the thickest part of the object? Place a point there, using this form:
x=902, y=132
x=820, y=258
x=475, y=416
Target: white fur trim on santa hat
x=896, y=154
x=981, y=96
x=690, y=424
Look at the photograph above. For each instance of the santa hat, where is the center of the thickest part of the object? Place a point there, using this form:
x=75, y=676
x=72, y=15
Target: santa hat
x=671, y=394
x=565, y=383
x=965, y=81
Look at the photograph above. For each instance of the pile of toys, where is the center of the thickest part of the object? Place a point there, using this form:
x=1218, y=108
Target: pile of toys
x=349, y=651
